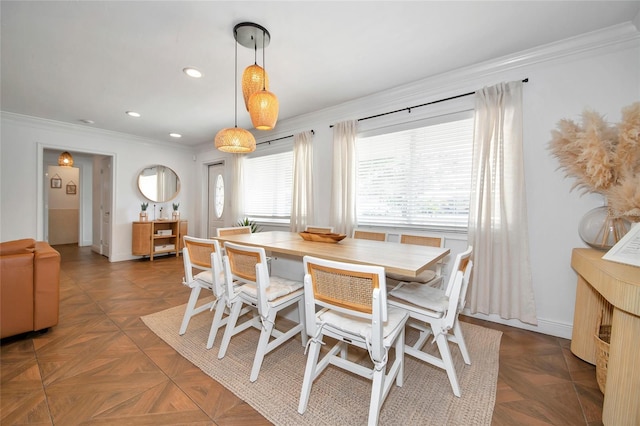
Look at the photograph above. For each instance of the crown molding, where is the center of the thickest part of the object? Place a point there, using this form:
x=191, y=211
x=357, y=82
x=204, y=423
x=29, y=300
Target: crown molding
x=53, y=125
x=618, y=37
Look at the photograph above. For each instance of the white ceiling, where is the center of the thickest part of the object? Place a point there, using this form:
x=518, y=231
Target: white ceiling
x=94, y=60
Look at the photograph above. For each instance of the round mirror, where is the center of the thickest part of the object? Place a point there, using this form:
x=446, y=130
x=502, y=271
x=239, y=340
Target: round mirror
x=158, y=183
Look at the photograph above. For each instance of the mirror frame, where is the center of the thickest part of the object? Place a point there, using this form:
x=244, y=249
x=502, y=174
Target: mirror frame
x=164, y=168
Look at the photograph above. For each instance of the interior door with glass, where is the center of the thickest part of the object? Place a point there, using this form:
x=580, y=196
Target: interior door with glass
x=216, y=208
x=105, y=206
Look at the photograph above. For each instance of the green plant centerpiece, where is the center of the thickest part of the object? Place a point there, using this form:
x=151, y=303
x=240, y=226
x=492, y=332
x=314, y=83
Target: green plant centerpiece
x=175, y=206
x=143, y=212
x=246, y=222
x=143, y=207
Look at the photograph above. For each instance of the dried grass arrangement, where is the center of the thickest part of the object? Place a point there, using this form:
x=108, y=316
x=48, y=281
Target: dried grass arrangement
x=603, y=158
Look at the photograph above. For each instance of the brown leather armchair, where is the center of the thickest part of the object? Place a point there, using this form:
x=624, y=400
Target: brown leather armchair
x=29, y=286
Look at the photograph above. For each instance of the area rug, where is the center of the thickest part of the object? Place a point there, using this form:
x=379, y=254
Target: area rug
x=338, y=397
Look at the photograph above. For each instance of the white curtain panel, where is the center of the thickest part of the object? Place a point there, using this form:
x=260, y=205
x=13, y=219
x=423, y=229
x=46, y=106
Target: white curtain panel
x=498, y=210
x=302, y=197
x=237, y=188
x=343, y=182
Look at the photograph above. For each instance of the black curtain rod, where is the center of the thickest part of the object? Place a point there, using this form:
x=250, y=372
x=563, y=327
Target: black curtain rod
x=526, y=80
x=277, y=139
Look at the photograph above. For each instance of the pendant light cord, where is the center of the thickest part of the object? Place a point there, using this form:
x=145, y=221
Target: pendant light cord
x=235, y=87
x=264, y=67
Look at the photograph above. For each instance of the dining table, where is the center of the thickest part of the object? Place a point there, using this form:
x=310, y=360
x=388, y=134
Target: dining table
x=404, y=259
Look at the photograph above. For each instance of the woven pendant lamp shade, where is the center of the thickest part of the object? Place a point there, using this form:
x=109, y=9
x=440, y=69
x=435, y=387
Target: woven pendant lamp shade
x=65, y=160
x=235, y=140
x=252, y=82
x=263, y=109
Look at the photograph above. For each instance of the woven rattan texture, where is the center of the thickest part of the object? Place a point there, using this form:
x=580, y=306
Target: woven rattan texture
x=200, y=253
x=343, y=289
x=421, y=240
x=243, y=264
x=370, y=235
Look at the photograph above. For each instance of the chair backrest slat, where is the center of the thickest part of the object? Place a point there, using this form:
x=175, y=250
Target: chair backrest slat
x=369, y=235
x=319, y=229
x=422, y=240
x=234, y=230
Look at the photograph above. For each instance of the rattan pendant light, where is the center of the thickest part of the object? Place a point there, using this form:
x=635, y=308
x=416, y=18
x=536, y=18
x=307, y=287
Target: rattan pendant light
x=235, y=139
x=254, y=78
x=65, y=160
x=263, y=105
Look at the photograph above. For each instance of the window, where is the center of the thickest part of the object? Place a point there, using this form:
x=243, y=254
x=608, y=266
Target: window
x=268, y=182
x=417, y=174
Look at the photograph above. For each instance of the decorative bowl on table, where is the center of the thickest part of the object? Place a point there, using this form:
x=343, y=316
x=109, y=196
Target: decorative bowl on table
x=322, y=238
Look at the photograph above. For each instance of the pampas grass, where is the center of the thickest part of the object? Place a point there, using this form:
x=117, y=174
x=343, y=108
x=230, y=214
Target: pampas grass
x=603, y=158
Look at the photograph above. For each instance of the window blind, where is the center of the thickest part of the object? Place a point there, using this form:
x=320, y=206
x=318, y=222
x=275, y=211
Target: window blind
x=268, y=182
x=418, y=177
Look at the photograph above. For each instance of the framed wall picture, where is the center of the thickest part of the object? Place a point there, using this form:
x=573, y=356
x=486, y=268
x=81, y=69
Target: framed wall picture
x=56, y=182
x=71, y=188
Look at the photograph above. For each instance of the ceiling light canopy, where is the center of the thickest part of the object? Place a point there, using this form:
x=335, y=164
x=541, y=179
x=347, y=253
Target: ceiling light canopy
x=65, y=160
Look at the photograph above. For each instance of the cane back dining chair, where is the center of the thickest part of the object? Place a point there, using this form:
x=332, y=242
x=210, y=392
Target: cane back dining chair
x=432, y=277
x=203, y=255
x=319, y=229
x=434, y=311
x=255, y=288
x=354, y=311
x=369, y=235
x=233, y=230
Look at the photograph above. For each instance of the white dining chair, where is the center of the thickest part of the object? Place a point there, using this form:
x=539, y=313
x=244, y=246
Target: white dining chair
x=369, y=235
x=203, y=255
x=233, y=230
x=354, y=311
x=432, y=277
x=319, y=229
x=250, y=285
x=434, y=312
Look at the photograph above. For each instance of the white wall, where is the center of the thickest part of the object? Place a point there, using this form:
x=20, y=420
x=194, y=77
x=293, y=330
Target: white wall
x=599, y=70
x=23, y=141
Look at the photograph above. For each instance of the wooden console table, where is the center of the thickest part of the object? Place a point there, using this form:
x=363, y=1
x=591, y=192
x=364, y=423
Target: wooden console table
x=157, y=236
x=612, y=288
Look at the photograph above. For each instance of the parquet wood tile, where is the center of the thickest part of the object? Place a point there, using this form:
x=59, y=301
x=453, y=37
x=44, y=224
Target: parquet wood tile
x=102, y=365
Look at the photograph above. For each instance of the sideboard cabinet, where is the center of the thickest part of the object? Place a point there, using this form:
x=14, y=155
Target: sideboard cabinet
x=157, y=236
x=611, y=289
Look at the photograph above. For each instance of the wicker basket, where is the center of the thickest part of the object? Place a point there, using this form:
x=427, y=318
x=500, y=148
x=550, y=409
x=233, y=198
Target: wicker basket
x=603, y=339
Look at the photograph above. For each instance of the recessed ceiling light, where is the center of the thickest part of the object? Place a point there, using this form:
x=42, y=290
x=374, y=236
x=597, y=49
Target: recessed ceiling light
x=192, y=72
x=175, y=135
x=84, y=120
x=133, y=114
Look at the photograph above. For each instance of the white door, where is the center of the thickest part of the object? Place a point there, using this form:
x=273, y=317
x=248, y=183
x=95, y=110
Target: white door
x=217, y=202
x=105, y=206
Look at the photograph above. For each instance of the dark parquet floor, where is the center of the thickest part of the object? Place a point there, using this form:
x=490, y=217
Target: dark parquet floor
x=102, y=365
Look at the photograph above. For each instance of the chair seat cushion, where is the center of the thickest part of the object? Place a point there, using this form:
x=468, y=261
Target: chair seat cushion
x=278, y=287
x=362, y=326
x=418, y=294
x=207, y=277
x=424, y=277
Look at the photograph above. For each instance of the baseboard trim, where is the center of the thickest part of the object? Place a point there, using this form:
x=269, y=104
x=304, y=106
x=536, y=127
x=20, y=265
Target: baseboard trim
x=552, y=328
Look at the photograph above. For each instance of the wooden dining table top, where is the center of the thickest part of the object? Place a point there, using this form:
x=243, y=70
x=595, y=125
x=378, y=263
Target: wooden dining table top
x=405, y=259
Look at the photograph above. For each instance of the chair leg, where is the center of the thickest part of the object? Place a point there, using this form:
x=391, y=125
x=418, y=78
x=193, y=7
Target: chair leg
x=309, y=375
x=377, y=392
x=400, y=356
x=459, y=339
x=230, y=328
x=216, y=323
x=263, y=342
x=445, y=353
x=301, y=320
x=188, y=312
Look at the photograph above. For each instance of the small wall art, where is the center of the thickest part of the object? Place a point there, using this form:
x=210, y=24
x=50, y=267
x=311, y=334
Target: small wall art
x=71, y=188
x=56, y=182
